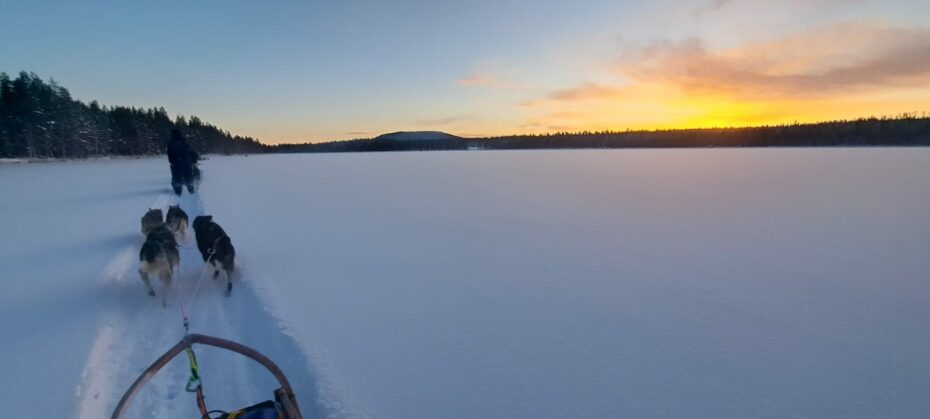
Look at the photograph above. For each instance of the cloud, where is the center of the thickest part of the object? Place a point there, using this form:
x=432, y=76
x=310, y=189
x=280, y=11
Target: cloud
x=841, y=58
x=710, y=7
x=484, y=80
x=822, y=61
x=583, y=92
x=444, y=121
x=833, y=71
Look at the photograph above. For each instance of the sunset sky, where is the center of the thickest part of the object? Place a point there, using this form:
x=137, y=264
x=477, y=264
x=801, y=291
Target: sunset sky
x=295, y=71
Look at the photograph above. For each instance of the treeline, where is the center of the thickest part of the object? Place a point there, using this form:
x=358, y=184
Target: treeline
x=366, y=144
x=42, y=120
x=900, y=130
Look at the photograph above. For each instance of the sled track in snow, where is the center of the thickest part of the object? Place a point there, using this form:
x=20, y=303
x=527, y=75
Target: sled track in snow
x=135, y=329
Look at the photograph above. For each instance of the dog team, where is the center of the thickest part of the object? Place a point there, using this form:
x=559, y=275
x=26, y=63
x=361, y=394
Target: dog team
x=159, y=255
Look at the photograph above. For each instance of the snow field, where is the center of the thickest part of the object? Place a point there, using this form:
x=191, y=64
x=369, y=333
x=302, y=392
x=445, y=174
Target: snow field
x=633, y=283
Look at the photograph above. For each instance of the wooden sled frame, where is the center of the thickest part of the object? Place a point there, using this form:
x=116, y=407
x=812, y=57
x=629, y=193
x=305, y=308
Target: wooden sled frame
x=284, y=394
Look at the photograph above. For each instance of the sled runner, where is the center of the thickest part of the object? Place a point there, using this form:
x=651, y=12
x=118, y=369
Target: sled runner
x=284, y=405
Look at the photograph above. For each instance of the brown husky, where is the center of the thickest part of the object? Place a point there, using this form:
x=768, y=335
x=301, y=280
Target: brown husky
x=176, y=221
x=159, y=256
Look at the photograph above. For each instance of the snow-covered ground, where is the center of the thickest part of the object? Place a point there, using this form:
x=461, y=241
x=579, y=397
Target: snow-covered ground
x=632, y=283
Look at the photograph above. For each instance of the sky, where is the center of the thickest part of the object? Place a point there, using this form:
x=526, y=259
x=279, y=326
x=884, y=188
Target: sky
x=298, y=71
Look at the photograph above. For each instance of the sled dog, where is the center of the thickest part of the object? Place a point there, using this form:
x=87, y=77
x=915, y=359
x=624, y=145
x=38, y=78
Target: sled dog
x=158, y=256
x=176, y=221
x=215, y=247
x=151, y=220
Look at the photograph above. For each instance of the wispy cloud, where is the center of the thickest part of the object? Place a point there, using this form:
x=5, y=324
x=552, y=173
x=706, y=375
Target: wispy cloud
x=578, y=93
x=485, y=80
x=821, y=61
x=710, y=7
x=444, y=121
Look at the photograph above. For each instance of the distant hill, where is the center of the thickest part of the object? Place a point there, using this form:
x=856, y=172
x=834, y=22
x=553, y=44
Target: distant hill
x=393, y=141
x=417, y=136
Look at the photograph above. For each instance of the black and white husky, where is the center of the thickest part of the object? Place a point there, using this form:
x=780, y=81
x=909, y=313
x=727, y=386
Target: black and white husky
x=176, y=221
x=215, y=247
x=151, y=220
x=158, y=256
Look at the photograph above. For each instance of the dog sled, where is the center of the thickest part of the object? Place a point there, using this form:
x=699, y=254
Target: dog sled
x=283, y=406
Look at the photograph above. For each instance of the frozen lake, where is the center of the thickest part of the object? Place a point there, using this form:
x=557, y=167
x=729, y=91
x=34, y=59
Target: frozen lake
x=501, y=284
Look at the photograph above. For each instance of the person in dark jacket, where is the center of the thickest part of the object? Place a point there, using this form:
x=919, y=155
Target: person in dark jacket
x=179, y=155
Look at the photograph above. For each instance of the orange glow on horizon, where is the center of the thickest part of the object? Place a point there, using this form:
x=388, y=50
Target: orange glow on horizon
x=662, y=107
x=648, y=107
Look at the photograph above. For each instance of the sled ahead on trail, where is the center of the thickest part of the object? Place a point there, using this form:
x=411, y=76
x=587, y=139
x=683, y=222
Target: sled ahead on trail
x=284, y=405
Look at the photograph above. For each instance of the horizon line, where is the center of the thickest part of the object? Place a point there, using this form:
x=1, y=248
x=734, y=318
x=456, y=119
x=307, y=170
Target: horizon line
x=886, y=117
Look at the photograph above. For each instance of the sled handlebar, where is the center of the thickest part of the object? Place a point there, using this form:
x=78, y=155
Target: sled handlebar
x=285, y=393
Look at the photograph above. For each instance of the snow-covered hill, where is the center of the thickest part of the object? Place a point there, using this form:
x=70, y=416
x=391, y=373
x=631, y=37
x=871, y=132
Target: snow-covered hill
x=635, y=283
x=417, y=136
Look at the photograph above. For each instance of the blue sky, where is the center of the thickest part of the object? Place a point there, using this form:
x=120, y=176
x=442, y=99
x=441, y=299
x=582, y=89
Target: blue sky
x=288, y=71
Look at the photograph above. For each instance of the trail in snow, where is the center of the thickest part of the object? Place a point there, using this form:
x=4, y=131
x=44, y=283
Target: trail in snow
x=135, y=329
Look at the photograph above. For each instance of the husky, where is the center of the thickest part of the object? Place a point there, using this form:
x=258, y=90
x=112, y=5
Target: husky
x=159, y=256
x=215, y=247
x=151, y=220
x=176, y=221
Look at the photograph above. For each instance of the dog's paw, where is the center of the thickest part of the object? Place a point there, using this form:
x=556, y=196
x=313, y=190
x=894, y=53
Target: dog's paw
x=151, y=293
x=228, y=289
